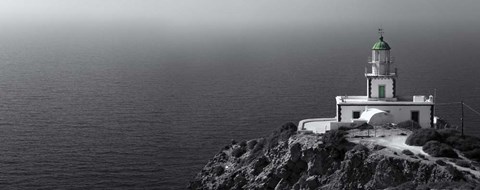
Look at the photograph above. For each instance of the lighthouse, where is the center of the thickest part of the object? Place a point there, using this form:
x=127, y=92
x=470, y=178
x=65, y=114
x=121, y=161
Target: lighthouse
x=382, y=105
x=380, y=79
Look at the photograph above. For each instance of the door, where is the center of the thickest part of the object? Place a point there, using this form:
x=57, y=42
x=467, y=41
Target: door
x=415, y=116
x=381, y=91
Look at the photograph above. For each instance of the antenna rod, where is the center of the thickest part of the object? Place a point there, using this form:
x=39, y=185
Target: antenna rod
x=462, y=118
x=435, y=107
x=380, y=31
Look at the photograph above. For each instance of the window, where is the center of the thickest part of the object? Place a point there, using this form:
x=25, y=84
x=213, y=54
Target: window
x=415, y=116
x=356, y=114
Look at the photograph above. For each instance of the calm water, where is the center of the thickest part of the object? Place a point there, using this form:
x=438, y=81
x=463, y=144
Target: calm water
x=140, y=109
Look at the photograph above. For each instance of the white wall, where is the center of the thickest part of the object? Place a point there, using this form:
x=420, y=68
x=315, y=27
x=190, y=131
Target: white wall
x=317, y=125
x=388, y=82
x=400, y=113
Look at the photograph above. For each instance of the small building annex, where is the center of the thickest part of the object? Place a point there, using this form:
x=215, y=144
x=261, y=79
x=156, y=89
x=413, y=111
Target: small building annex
x=381, y=105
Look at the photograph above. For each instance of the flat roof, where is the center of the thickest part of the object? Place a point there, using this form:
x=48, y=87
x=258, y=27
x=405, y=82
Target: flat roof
x=363, y=100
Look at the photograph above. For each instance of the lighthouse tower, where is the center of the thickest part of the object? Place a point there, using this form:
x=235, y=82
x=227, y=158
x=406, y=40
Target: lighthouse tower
x=380, y=79
x=381, y=106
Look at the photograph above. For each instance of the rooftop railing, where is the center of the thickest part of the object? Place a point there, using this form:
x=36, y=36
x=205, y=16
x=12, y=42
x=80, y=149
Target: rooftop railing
x=370, y=60
x=395, y=73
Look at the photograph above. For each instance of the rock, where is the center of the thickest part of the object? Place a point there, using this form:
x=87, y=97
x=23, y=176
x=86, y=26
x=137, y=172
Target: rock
x=240, y=181
x=449, y=185
x=302, y=162
x=440, y=162
x=290, y=127
x=281, y=136
x=218, y=170
x=473, y=154
x=438, y=149
x=308, y=154
x=315, y=165
x=295, y=152
x=407, y=185
x=300, y=166
x=335, y=152
x=355, y=157
x=259, y=145
x=251, y=144
x=352, y=168
x=282, y=185
x=390, y=173
x=334, y=137
x=422, y=156
x=283, y=173
x=296, y=186
x=456, y=175
x=311, y=182
x=259, y=164
x=238, y=151
x=271, y=181
x=221, y=157
x=378, y=147
x=463, y=163
x=243, y=144
x=360, y=148
x=422, y=136
x=407, y=152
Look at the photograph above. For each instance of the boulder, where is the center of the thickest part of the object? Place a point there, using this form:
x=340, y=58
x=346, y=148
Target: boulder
x=440, y=162
x=238, y=151
x=463, y=163
x=408, y=152
x=378, y=147
x=251, y=144
x=282, y=185
x=334, y=137
x=259, y=164
x=311, y=182
x=438, y=149
x=295, y=152
x=422, y=136
x=218, y=170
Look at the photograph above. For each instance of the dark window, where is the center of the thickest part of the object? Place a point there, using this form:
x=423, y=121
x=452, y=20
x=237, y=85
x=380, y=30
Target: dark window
x=356, y=115
x=415, y=116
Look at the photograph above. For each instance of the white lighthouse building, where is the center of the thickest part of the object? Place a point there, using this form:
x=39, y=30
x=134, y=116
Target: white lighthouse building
x=381, y=105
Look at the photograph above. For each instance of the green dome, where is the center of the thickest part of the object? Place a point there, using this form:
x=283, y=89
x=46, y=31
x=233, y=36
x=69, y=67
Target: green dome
x=381, y=45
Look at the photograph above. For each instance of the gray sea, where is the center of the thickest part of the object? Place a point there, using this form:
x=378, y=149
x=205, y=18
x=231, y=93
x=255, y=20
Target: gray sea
x=141, y=107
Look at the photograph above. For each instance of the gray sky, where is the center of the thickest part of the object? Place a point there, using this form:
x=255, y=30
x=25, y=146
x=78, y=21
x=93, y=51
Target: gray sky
x=239, y=12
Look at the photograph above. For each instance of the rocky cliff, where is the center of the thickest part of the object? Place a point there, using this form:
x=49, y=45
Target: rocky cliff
x=288, y=159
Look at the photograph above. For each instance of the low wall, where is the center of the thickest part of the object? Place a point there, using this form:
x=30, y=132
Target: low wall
x=316, y=125
x=322, y=125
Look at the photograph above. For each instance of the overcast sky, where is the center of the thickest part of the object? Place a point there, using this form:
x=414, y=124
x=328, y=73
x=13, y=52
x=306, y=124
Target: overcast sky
x=238, y=12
